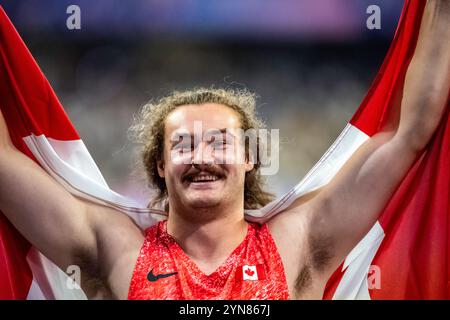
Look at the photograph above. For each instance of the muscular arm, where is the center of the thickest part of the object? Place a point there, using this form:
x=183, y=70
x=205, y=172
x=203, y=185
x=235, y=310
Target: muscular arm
x=47, y=215
x=64, y=228
x=349, y=206
x=338, y=217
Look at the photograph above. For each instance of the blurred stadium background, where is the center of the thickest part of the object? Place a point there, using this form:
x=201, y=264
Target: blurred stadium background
x=310, y=61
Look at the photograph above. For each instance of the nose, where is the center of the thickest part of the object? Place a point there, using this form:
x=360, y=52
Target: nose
x=203, y=155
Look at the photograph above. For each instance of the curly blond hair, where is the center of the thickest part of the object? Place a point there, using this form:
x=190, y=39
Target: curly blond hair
x=148, y=131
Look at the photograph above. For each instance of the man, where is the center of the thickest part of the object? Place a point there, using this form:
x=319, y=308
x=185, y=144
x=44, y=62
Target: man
x=206, y=249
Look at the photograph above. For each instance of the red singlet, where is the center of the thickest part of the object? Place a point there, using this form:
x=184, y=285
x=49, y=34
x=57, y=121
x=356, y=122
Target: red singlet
x=164, y=271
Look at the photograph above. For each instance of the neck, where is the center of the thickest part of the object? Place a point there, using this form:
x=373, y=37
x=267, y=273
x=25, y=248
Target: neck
x=208, y=240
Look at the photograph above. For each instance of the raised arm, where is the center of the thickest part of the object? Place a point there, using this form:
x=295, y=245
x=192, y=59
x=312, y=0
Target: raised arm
x=102, y=241
x=348, y=207
x=337, y=217
x=44, y=213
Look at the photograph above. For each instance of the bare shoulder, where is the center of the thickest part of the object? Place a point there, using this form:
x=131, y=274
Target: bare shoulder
x=109, y=269
x=303, y=257
x=289, y=230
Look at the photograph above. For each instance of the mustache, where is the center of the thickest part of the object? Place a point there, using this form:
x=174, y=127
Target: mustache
x=210, y=170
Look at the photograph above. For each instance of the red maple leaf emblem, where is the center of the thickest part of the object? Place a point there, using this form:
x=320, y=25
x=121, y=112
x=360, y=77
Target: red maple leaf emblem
x=249, y=272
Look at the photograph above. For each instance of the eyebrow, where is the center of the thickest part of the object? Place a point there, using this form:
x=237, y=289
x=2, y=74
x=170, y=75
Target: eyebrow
x=226, y=132
x=182, y=135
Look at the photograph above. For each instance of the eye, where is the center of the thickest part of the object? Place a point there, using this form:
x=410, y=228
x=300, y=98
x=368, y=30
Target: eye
x=184, y=146
x=220, y=144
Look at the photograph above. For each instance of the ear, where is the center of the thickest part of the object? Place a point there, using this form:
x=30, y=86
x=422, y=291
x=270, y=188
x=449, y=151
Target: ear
x=160, y=166
x=249, y=162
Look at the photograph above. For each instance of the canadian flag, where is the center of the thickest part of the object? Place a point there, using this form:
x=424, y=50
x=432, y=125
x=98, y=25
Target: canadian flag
x=251, y=272
x=408, y=247
x=40, y=128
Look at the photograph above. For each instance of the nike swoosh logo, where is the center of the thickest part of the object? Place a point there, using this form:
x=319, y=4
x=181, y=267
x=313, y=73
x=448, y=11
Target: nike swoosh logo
x=152, y=278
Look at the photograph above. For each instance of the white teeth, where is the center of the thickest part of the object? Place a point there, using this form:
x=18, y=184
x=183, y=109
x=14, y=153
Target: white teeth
x=205, y=178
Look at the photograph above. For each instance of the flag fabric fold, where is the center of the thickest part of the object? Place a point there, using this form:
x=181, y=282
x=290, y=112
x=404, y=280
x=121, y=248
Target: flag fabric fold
x=411, y=234
x=39, y=127
x=406, y=254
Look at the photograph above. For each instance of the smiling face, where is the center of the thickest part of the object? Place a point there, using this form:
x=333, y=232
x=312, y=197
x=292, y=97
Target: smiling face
x=202, y=165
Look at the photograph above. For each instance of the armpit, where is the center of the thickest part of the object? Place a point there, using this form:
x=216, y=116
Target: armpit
x=321, y=252
x=303, y=280
x=93, y=283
